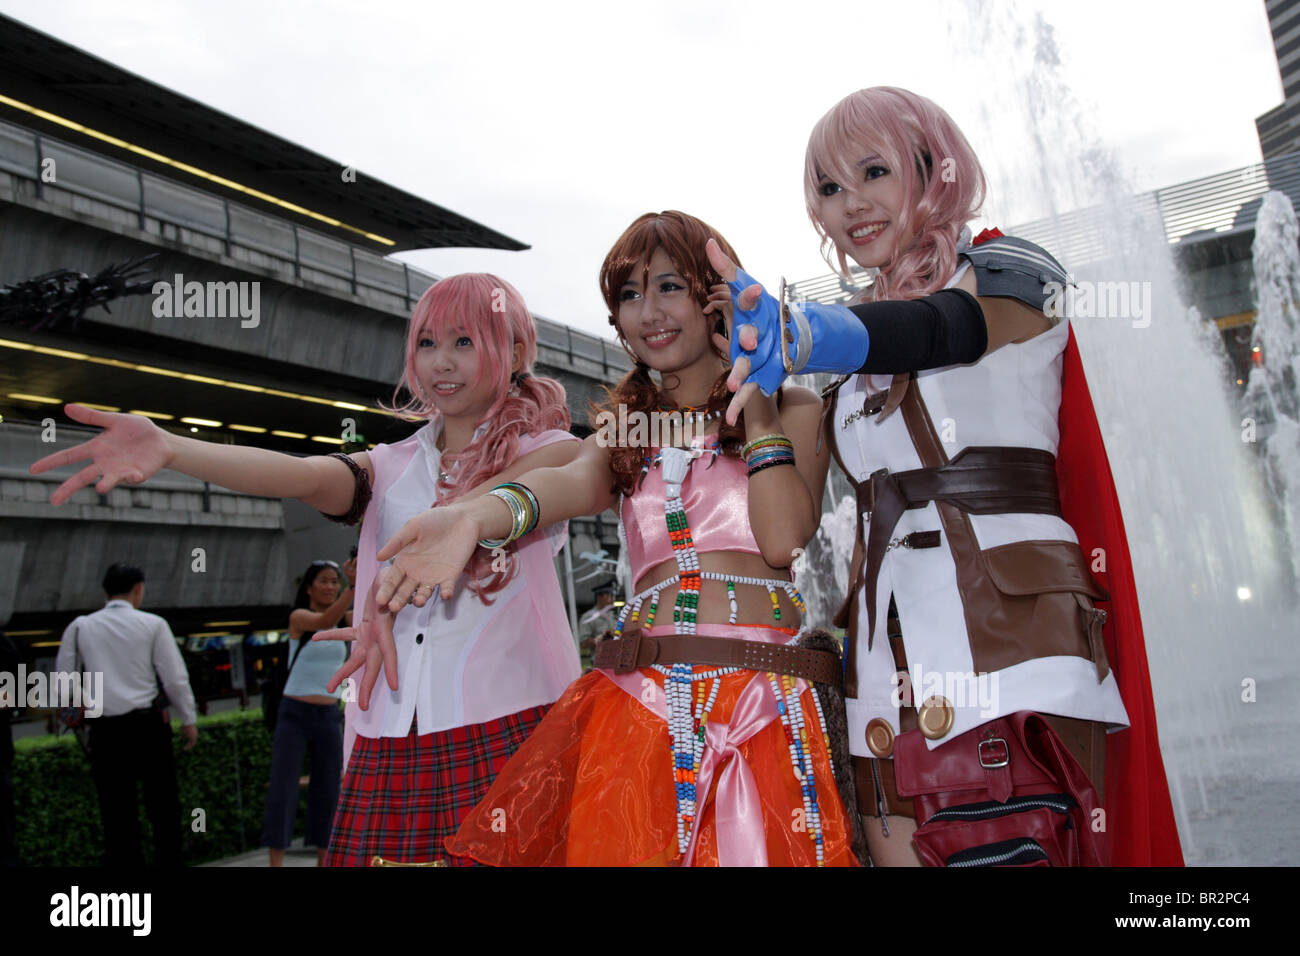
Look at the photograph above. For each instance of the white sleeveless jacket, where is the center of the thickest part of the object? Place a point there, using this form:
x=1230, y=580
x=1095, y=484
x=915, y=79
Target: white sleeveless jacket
x=1010, y=397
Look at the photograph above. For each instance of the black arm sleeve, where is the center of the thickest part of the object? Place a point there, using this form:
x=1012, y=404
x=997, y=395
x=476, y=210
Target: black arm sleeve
x=944, y=328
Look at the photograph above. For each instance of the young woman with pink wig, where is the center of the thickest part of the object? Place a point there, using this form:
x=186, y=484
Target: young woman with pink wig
x=477, y=673
x=981, y=677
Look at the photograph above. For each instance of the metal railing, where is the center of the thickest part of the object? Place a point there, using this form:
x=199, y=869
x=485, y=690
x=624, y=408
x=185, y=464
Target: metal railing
x=52, y=164
x=1198, y=210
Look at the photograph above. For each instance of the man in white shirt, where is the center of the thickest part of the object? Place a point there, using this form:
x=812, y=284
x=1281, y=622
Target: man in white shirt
x=131, y=743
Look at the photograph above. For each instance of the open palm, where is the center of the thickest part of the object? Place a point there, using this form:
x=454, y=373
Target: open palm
x=373, y=648
x=429, y=553
x=130, y=449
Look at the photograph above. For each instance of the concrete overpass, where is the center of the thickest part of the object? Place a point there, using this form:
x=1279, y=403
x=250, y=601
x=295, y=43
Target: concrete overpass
x=86, y=181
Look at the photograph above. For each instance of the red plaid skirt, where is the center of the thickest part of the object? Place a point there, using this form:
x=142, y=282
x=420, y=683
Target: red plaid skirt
x=404, y=796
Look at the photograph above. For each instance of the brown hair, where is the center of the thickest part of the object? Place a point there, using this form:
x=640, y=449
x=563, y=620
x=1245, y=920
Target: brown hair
x=682, y=238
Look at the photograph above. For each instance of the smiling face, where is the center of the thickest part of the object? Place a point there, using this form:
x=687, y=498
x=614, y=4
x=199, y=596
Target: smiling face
x=324, y=588
x=660, y=318
x=863, y=218
x=450, y=374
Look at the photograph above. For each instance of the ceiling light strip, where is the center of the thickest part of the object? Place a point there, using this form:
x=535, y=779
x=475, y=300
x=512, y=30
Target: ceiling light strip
x=192, y=170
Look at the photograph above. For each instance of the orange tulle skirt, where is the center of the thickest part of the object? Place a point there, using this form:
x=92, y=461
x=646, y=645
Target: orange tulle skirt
x=593, y=785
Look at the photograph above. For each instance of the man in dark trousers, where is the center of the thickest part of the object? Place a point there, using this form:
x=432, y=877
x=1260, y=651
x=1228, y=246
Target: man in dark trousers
x=130, y=743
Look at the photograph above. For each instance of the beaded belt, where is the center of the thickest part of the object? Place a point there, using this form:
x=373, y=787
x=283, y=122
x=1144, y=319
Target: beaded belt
x=638, y=649
x=632, y=609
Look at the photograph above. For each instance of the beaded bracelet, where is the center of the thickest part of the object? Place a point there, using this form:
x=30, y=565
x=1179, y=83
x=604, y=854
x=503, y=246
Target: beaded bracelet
x=755, y=469
x=767, y=451
x=765, y=442
x=524, y=512
x=768, y=454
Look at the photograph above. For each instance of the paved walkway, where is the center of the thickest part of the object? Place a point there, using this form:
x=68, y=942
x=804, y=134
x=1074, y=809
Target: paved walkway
x=296, y=855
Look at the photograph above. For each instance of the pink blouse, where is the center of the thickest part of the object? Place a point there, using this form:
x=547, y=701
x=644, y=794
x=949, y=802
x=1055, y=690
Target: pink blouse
x=716, y=498
x=462, y=662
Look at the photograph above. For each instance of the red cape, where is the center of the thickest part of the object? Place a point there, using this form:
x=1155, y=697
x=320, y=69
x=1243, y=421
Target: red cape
x=1139, y=816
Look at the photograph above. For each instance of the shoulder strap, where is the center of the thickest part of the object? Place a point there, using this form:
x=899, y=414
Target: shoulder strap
x=302, y=642
x=1017, y=269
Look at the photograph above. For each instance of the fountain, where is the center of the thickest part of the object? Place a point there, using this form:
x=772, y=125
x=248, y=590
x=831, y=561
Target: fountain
x=1271, y=395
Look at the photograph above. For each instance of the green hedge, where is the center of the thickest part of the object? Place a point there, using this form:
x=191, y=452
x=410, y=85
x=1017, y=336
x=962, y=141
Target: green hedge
x=226, y=775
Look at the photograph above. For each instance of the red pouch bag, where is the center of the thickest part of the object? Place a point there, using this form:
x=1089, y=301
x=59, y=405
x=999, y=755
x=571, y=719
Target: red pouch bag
x=1007, y=793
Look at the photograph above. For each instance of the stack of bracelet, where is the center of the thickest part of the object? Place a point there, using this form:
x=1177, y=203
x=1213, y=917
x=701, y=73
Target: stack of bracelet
x=767, y=451
x=524, y=512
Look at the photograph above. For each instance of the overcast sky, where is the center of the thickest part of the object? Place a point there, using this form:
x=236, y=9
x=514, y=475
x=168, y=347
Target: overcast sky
x=558, y=123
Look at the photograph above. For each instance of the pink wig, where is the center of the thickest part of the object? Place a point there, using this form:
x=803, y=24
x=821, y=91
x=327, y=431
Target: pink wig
x=919, y=142
x=492, y=313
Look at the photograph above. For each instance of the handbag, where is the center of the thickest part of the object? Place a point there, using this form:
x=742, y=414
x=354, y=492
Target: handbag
x=73, y=719
x=273, y=688
x=1007, y=793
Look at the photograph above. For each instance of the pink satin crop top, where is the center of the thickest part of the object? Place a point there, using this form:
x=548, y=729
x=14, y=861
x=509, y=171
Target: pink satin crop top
x=716, y=499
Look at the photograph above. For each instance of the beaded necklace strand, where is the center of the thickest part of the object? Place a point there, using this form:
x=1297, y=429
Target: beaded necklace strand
x=687, y=712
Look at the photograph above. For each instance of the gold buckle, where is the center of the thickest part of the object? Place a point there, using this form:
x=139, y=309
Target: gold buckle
x=377, y=860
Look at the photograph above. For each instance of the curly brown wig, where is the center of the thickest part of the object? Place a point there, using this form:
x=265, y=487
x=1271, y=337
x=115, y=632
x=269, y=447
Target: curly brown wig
x=683, y=238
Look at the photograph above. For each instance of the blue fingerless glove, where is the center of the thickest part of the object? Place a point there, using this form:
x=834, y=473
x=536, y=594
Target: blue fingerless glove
x=827, y=338
x=765, y=369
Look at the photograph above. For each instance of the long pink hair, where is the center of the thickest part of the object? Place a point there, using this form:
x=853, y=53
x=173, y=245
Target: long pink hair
x=920, y=143
x=493, y=314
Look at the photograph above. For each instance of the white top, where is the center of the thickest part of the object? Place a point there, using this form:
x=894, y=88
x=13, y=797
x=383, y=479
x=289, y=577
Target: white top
x=462, y=661
x=313, y=666
x=129, y=647
x=1010, y=397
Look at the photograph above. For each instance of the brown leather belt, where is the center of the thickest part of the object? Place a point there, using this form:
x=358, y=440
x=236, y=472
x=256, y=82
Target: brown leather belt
x=978, y=480
x=637, y=649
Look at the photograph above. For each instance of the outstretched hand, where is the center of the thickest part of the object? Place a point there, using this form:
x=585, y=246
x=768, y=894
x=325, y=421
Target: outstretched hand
x=374, y=648
x=130, y=449
x=752, y=344
x=430, y=551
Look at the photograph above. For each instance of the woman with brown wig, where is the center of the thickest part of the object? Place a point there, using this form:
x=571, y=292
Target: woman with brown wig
x=698, y=739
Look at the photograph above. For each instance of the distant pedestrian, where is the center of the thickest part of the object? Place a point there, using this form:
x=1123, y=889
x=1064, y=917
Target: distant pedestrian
x=131, y=743
x=310, y=716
